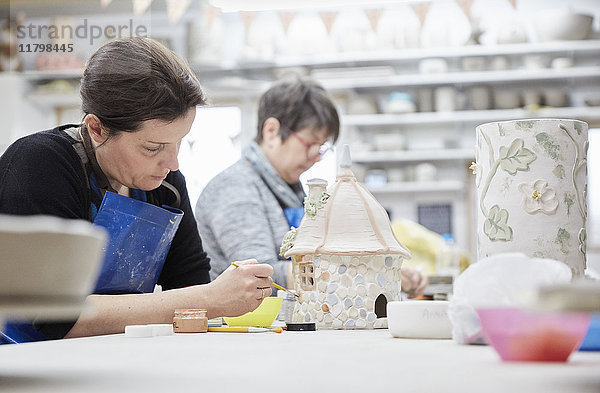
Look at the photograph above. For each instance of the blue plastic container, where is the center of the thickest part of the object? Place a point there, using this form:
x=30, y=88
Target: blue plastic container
x=591, y=342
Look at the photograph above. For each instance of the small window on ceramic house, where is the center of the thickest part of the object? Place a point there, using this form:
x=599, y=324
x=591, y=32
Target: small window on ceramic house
x=306, y=276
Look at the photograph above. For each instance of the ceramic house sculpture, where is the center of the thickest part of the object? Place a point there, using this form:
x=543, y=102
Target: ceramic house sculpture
x=345, y=259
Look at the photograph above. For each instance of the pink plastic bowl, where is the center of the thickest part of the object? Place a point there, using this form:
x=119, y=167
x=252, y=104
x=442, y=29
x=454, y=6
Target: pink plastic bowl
x=528, y=336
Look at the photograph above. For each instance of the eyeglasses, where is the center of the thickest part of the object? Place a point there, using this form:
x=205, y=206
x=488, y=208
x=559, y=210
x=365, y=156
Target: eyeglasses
x=313, y=149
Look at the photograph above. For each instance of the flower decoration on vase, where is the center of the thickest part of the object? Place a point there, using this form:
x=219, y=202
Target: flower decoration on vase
x=538, y=197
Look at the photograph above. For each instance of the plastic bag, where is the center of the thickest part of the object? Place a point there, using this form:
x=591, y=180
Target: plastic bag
x=501, y=280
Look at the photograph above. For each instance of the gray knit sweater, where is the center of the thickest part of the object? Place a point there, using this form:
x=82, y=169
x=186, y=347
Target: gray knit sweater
x=240, y=214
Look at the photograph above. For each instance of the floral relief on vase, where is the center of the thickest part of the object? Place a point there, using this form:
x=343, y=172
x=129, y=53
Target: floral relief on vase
x=511, y=159
x=538, y=197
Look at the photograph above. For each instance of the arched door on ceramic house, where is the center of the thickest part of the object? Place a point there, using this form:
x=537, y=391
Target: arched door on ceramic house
x=381, y=306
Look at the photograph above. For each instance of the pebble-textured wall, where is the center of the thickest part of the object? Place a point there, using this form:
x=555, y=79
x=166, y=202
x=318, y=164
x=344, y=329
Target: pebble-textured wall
x=346, y=288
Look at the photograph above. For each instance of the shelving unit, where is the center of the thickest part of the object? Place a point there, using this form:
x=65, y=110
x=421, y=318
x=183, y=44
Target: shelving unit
x=378, y=73
x=589, y=114
x=464, y=78
x=413, y=155
x=361, y=59
x=418, y=187
x=55, y=100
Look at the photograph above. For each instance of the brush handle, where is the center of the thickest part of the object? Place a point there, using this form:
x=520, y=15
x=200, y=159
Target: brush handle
x=237, y=329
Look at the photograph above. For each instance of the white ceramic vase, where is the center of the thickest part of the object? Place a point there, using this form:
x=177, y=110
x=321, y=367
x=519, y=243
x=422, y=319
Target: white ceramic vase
x=531, y=179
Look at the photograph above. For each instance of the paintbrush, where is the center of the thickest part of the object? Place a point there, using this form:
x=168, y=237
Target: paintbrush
x=274, y=284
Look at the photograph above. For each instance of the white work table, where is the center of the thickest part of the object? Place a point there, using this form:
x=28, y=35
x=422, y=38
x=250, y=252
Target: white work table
x=322, y=361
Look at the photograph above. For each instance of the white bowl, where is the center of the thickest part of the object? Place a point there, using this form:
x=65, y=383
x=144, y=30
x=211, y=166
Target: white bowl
x=419, y=319
x=558, y=24
x=47, y=262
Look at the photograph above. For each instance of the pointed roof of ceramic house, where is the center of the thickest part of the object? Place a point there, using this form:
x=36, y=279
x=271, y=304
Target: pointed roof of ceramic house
x=350, y=222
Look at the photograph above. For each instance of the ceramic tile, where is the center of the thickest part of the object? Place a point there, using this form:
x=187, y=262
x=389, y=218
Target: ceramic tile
x=389, y=261
x=361, y=290
x=358, y=301
x=332, y=299
x=352, y=271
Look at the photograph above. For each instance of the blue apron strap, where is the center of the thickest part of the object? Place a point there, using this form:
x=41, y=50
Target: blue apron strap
x=294, y=216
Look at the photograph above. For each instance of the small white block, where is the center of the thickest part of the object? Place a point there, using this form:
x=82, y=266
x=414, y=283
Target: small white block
x=162, y=329
x=138, y=331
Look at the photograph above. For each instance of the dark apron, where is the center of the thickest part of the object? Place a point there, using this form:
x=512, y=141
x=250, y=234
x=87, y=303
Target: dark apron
x=140, y=235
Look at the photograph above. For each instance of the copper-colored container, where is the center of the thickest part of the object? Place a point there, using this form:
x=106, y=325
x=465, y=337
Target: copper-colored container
x=190, y=321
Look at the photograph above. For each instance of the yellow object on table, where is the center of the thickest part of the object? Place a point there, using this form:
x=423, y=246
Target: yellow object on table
x=263, y=316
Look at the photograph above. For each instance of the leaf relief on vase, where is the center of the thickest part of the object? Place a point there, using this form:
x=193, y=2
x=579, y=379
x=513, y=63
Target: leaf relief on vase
x=501, y=130
x=562, y=239
x=516, y=157
x=495, y=225
x=538, y=197
x=569, y=200
x=559, y=171
x=524, y=125
x=549, y=144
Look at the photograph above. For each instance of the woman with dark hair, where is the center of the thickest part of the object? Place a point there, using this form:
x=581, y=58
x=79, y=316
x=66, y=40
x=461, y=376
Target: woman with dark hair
x=139, y=101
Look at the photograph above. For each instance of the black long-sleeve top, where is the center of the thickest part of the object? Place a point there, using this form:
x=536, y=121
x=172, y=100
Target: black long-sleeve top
x=43, y=174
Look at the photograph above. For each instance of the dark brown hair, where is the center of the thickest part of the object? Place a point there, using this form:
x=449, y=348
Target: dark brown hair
x=298, y=103
x=131, y=80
